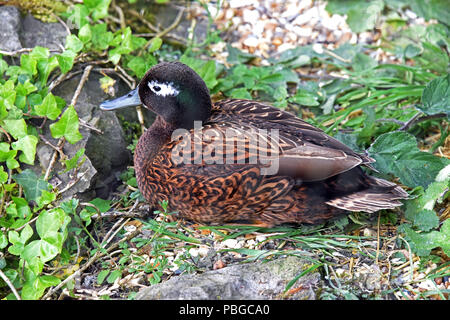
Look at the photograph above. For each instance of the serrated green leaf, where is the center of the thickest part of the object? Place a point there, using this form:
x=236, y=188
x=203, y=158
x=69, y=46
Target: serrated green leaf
x=397, y=153
x=101, y=276
x=67, y=126
x=436, y=96
x=48, y=108
x=27, y=145
x=32, y=185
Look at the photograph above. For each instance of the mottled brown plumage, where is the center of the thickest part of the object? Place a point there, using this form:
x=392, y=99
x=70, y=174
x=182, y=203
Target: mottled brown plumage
x=318, y=177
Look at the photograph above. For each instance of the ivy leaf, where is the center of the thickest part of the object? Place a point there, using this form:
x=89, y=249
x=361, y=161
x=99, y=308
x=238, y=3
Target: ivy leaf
x=28, y=64
x=85, y=33
x=436, y=96
x=72, y=163
x=101, y=37
x=397, y=153
x=67, y=126
x=31, y=184
x=27, y=145
x=65, y=60
x=48, y=108
x=73, y=43
x=99, y=8
x=16, y=128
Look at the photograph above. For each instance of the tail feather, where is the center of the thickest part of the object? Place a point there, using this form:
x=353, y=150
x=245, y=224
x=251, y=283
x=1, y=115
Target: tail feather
x=381, y=194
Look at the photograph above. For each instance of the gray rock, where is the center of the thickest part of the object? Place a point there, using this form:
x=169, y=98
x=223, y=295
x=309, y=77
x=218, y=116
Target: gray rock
x=37, y=33
x=106, y=154
x=10, y=28
x=259, y=281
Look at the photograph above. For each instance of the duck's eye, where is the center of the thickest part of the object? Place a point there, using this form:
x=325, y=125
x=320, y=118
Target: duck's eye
x=163, y=89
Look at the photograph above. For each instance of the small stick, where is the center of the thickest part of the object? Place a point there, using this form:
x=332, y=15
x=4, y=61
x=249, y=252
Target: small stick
x=10, y=285
x=23, y=50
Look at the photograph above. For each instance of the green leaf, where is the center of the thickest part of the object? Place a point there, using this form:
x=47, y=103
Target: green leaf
x=49, y=222
x=240, y=93
x=99, y=8
x=45, y=67
x=436, y=96
x=73, y=43
x=48, y=108
x=305, y=98
x=16, y=128
x=101, y=276
x=32, y=186
x=101, y=204
x=423, y=243
x=207, y=71
x=67, y=126
x=28, y=64
x=85, y=33
x=65, y=60
x=101, y=37
x=3, y=176
x=27, y=145
x=40, y=53
x=114, y=275
x=362, y=62
x=364, y=17
x=72, y=163
x=397, y=153
x=155, y=44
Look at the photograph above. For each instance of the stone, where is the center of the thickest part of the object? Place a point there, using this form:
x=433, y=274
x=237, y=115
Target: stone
x=37, y=33
x=10, y=28
x=106, y=153
x=257, y=280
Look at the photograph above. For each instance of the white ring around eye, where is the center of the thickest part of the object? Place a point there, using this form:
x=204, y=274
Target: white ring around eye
x=165, y=89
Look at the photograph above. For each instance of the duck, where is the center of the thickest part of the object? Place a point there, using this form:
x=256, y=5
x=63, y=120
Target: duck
x=244, y=162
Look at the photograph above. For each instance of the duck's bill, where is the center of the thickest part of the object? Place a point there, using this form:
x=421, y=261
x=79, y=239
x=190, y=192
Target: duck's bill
x=131, y=99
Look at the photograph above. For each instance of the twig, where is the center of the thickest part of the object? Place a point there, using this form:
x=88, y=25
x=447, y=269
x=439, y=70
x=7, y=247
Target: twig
x=415, y=120
x=168, y=29
x=378, y=239
x=54, y=157
x=62, y=140
x=143, y=20
x=96, y=256
x=119, y=11
x=71, y=184
x=10, y=285
x=23, y=50
x=83, y=80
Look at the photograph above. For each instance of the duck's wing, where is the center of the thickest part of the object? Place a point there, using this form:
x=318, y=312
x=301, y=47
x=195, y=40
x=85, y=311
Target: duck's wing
x=307, y=152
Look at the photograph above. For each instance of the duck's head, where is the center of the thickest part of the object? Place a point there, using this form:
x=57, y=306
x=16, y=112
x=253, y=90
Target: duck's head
x=173, y=91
